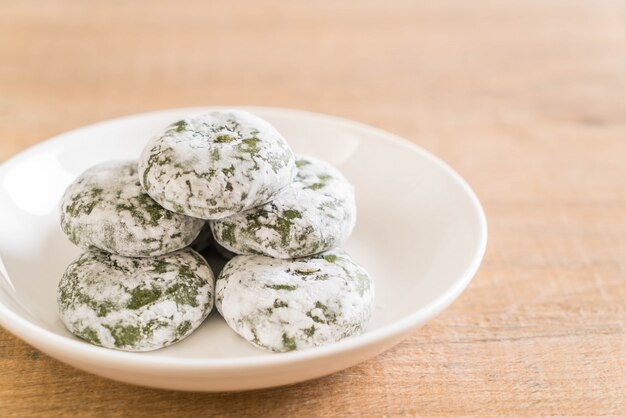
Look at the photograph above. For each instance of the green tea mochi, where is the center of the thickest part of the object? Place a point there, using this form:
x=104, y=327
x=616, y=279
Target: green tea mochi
x=135, y=304
x=284, y=305
x=216, y=164
x=106, y=208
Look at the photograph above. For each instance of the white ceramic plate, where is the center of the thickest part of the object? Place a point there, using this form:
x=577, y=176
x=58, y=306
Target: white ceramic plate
x=421, y=233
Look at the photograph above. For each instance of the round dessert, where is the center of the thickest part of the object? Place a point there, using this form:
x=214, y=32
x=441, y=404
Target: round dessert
x=216, y=164
x=315, y=213
x=284, y=305
x=135, y=304
x=106, y=208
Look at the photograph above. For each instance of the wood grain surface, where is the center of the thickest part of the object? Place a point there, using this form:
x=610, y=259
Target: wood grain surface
x=526, y=99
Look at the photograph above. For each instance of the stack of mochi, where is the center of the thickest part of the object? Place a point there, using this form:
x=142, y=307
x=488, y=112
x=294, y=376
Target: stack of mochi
x=224, y=182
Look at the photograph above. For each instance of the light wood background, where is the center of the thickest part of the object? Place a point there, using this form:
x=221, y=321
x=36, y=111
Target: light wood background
x=526, y=99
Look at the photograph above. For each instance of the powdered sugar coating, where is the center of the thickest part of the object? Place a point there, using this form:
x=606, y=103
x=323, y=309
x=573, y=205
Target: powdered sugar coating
x=106, y=207
x=216, y=164
x=284, y=305
x=315, y=213
x=135, y=304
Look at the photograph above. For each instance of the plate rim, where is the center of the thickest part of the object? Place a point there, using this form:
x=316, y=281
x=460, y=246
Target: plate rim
x=42, y=338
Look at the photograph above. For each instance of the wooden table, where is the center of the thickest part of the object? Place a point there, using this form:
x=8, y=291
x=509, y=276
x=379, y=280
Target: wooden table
x=526, y=99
